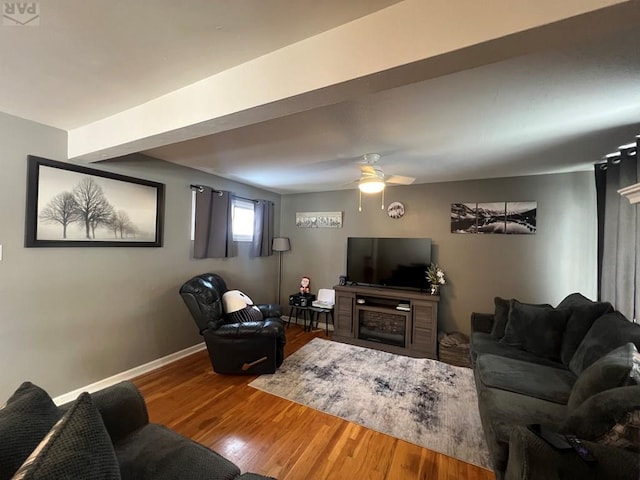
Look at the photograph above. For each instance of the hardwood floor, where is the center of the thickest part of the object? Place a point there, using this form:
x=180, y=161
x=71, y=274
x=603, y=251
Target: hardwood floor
x=275, y=437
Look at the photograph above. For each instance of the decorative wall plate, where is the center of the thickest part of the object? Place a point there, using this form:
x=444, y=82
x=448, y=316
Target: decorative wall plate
x=395, y=210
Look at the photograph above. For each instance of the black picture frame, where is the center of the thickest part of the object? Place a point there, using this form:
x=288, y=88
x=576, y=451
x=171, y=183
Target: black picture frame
x=510, y=218
x=72, y=205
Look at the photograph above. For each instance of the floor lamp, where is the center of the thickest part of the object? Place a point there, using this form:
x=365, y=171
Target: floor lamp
x=280, y=244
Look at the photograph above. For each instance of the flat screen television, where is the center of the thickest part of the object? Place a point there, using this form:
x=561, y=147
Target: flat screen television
x=388, y=262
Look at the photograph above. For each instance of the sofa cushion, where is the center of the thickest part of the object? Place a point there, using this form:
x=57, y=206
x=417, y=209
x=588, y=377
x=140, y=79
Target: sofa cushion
x=25, y=419
x=598, y=414
x=500, y=317
x=501, y=410
x=531, y=457
x=484, y=343
x=539, y=381
x=579, y=323
x=608, y=332
x=155, y=452
x=78, y=447
x=536, y=329
x=615, y=369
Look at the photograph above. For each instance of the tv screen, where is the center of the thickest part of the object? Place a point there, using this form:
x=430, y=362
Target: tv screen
x=390, y=262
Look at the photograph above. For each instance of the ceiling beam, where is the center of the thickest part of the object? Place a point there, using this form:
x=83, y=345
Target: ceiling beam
x=405, y=43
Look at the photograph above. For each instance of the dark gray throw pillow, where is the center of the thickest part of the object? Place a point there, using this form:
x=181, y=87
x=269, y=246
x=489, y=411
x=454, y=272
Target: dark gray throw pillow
x=615, y=369
x=574, y=300
x=500, y=317
x=608, y=332
x=579, y=323
x=77, y=447
x=598, y=414
x=536, y=329
x=24, y=421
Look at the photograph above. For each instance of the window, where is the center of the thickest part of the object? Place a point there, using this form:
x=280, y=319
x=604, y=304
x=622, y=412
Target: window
x=242, y=216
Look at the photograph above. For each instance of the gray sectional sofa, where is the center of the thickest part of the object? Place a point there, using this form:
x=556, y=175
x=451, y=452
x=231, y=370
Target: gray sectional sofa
x=103, y=436
x=575, y=369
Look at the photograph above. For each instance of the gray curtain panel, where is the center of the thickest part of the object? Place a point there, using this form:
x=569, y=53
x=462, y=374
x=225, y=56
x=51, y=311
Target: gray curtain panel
x=262, y=229
x=621, y=237
x=213, y=225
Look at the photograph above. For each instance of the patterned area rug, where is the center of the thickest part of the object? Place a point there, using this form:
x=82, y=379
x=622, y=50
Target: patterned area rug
x=422, y=401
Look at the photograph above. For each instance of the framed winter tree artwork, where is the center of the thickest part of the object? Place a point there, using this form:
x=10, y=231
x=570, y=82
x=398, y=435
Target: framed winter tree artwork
x=71, y=205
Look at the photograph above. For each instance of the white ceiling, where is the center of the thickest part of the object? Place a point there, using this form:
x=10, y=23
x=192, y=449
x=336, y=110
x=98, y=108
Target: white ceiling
x=548, y=110
x=87, y=60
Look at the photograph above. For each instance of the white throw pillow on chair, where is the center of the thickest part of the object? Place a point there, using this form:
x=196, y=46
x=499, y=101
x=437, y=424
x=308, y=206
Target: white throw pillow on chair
x=239, y=307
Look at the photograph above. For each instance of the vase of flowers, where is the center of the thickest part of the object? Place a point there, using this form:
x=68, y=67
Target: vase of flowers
x=435, y=277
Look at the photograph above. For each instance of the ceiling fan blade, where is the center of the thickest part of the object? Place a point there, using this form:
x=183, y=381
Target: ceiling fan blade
x=368, y=169
x=351, y=182
x=400, y=180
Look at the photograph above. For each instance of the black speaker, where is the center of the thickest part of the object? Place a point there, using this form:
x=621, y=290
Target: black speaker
x=343, y=280
x=301, y=299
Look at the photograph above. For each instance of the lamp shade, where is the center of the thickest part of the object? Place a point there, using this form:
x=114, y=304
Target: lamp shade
x=280, y=244
x=371, y=185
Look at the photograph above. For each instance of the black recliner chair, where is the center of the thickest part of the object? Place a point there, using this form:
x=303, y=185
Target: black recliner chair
x=254, y=347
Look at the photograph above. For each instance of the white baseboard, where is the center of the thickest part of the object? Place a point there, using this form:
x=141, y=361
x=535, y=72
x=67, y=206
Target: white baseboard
x=129, y=374
x=141, y=370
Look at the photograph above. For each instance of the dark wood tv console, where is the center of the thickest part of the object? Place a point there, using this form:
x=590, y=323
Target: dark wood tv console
x=369, y=317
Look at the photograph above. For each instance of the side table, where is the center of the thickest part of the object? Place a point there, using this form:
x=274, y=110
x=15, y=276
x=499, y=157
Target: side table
x=328, y=313
x=303, y=312
x=308, y=313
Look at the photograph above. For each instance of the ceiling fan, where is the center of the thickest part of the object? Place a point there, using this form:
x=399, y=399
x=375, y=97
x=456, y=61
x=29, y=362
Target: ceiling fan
x=372, y=178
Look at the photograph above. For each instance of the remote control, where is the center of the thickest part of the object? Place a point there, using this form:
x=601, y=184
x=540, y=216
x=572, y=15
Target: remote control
x=580, y=448
x=553, y=438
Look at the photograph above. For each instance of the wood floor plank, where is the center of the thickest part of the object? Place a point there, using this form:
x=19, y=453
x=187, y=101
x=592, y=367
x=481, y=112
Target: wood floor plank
x=273, y=436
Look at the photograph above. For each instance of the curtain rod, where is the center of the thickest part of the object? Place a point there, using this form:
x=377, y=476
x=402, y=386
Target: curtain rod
x=200, y=189
x=631, y=147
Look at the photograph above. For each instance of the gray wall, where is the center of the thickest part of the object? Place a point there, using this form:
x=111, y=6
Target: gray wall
x=559, y=259
x=72, y=316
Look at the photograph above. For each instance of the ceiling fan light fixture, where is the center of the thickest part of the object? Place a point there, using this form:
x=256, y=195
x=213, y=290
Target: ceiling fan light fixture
x=371, y=185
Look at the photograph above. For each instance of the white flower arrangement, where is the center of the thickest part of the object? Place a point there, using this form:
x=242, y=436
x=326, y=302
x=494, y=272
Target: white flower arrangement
x=435, y=275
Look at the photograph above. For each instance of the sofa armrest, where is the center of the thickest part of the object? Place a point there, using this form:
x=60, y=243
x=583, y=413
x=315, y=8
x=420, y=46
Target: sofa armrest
x=123, y=409
x=266, y=328
x=481, y=322
x=531, y=458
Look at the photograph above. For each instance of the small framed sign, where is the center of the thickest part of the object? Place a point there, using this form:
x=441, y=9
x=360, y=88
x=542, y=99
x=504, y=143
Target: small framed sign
x=319, y=219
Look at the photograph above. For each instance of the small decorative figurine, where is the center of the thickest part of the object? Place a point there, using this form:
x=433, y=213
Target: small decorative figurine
x=305, y=285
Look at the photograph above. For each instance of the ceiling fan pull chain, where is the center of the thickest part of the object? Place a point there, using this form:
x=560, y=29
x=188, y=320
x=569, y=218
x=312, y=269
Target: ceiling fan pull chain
x=382, y=206
x=360, y=200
